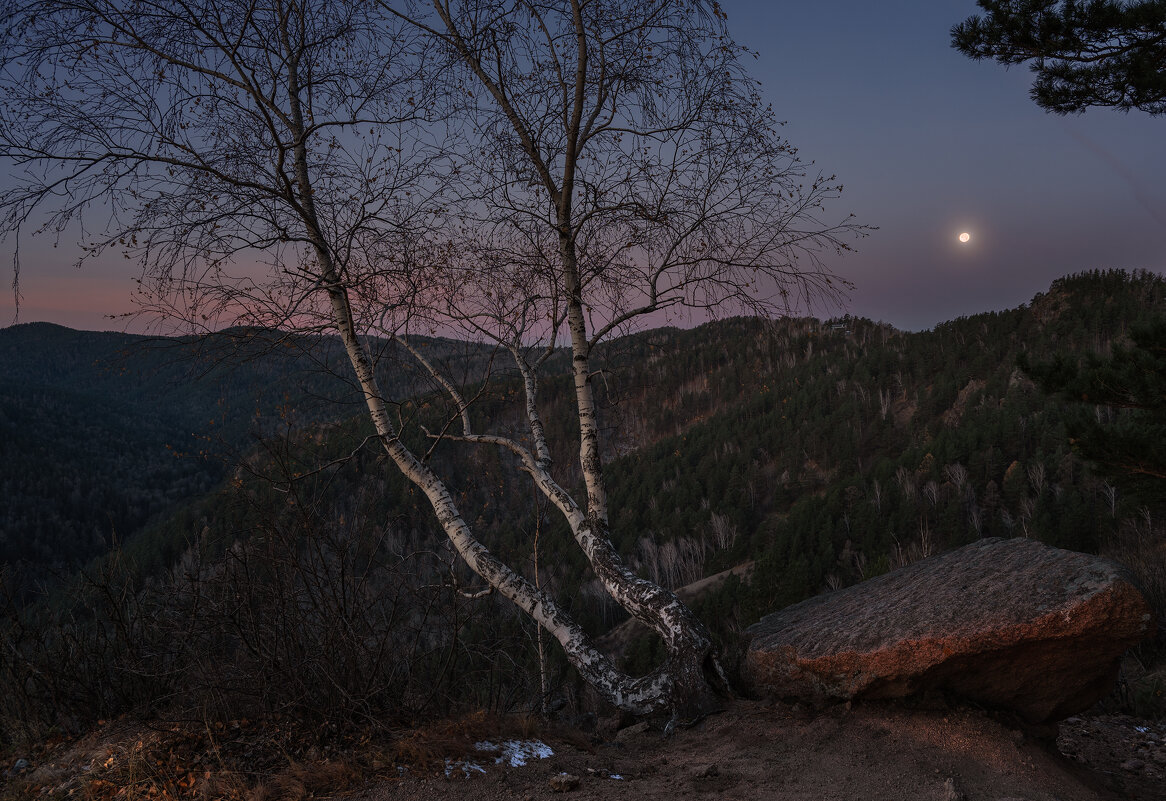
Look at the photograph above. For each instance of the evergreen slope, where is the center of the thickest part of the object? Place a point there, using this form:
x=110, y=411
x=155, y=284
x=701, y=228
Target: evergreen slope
x=825, y=452
x=818, y=453
x=102, y=432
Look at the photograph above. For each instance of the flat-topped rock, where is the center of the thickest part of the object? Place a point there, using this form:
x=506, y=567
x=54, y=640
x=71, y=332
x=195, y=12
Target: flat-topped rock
x=1010, y=623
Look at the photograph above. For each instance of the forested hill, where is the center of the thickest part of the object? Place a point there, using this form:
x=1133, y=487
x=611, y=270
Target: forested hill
x=101, y=432
x=808, y=455
x=832, y=453
x=823, y=451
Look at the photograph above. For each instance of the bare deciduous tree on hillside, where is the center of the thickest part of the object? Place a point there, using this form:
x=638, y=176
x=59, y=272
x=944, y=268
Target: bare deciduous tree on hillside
x=605, y=160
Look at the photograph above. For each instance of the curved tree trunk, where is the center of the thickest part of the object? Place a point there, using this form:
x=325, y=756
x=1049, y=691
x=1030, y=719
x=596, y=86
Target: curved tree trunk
x=682, y=684
x=692, y=660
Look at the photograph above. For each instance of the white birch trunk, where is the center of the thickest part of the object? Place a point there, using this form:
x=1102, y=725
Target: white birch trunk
x=682, y=683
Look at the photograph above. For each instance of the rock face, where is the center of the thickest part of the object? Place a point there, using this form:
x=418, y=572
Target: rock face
x=1006, y=623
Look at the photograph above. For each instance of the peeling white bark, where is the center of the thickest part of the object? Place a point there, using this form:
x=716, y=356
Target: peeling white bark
x=682, y=682
x=673, y=685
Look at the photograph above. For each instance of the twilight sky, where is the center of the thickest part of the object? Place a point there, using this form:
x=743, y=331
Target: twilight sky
x=927, y=144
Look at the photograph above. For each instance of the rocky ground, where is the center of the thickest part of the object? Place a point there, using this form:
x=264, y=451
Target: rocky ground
x=757, y=751
x=762, y=752
x=1125, y=753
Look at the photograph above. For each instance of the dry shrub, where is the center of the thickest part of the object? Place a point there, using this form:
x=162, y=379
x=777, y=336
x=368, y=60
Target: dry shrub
x=432, y=743
x=343, y=628
x=1139, y=543
x=300, y=781
x=226, y=785
x=251, y=761
x=194, y=761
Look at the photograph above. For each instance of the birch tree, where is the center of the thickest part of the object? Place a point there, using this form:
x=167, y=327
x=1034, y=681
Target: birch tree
x=605, y=160
x=623, y=166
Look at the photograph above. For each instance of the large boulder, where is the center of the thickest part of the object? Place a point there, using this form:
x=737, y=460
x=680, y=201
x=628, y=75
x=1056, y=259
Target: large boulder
x=1006, y=623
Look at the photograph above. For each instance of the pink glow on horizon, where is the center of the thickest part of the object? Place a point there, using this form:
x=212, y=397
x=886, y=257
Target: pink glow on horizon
x=85, y=302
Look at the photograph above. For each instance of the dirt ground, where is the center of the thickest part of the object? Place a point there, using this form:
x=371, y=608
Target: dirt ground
x=755, y=751
x=762, y=752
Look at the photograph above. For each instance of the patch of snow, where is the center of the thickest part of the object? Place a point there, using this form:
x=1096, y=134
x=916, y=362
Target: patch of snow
x=466, y=767
x=616, y=776
x=515, y=753
x=1142, y=729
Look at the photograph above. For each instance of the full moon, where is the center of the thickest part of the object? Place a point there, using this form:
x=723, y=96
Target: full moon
x=965, y=236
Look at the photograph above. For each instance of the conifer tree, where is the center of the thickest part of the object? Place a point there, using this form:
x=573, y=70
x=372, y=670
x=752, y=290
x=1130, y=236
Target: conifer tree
x=1127, y=443
x=1083, y=52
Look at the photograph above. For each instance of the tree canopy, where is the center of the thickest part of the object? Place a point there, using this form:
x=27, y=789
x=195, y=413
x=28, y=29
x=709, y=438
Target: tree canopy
x=1124, y=436
x=526, y=173
x=1083, y=52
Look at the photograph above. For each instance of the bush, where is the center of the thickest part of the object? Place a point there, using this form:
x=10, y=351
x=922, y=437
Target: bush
x=320, y=621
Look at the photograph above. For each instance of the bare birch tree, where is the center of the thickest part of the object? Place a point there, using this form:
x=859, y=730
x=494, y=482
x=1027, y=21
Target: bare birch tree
x=623, y=165
x=608, y=160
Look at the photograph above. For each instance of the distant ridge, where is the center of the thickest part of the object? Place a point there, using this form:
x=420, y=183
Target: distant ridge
x=775, y=427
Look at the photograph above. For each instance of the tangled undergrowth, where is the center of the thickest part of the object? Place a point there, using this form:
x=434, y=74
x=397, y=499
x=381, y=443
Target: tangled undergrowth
x=243, y=760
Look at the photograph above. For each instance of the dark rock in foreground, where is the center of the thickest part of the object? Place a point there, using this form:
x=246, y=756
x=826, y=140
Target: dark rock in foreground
x=1006, y=623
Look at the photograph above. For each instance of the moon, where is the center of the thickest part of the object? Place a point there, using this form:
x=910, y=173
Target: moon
x=965, y=237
